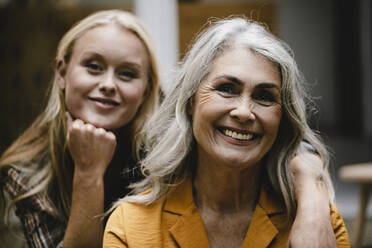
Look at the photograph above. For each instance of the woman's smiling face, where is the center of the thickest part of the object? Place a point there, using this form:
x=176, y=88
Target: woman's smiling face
x=106, y=78
x=236, y=111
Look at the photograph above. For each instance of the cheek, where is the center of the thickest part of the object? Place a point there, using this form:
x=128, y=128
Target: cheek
x=272, y=120
x=197, y=121
x=133, y=93
x=71, y=94
x=205, y=114
x=78, y=82
x=74, y=103
x=208, y=104
x=201, y=111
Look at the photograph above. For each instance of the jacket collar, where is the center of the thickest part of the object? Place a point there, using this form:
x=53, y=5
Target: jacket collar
x=188, y=231
x=180, y=198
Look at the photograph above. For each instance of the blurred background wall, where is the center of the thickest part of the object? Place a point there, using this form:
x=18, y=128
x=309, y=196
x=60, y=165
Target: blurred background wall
x=331, y=39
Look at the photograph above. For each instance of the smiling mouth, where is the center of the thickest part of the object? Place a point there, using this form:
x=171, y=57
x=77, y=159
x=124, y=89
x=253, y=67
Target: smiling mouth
x=237, y=135
x=105, y=101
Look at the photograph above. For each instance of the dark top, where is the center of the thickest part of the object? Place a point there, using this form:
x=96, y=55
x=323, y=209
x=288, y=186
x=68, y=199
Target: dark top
x=41, y=228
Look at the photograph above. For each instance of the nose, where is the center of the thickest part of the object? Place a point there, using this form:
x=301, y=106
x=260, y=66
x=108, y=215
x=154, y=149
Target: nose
x=107, y=84
x=243, y=110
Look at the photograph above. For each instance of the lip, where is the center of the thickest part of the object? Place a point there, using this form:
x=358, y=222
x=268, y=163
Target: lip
x=233, y=141
x=104, y=103
x=238, y=130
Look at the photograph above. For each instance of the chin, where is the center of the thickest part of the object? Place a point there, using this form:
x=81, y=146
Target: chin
x=109, y=122
x=109, y=126
x=103, y=123
x=241, y=161
x=235, y=162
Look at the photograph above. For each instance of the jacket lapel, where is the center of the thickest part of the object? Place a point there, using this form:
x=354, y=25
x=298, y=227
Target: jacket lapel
x=188, y=230
x=262, y=231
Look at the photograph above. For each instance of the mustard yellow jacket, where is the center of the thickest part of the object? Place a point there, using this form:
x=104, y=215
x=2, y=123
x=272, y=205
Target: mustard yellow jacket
x=174, y=221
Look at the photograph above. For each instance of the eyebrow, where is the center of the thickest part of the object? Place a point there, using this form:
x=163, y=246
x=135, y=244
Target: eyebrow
x=266, y=85
x=133, y=65
x=263, y=85
x=230, y=78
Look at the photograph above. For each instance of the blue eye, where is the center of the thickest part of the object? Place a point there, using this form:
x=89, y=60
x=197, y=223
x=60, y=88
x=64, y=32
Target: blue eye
x=127, y=75
x=94, y=67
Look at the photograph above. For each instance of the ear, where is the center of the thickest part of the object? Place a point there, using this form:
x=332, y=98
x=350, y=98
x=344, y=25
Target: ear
x=60, y=74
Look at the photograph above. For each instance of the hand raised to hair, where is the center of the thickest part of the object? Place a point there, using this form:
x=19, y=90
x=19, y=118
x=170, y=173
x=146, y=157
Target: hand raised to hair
x=320, y=237
x=91, y=148
x=312, y=226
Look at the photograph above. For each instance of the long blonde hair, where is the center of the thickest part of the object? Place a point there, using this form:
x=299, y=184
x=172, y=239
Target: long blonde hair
x=45, y=138
x=169, y=137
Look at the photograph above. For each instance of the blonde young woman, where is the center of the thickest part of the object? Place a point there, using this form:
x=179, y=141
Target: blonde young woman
x=68, y=167
x=80, y=154
x=219, y=152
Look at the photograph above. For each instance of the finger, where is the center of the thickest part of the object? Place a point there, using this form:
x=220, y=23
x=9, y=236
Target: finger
x=78, y=122
x=77, y=126
x=89, y=128
x=111, y=136
x=100, y=132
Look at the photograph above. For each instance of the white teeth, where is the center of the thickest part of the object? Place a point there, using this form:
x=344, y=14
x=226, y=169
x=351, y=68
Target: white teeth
x=239, y=136
x=234, y=135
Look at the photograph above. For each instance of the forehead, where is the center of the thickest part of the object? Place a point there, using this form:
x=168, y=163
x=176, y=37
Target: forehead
x=246, y=65
x=111, y=40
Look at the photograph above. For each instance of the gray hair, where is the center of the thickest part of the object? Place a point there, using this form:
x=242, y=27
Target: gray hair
x=169, y=142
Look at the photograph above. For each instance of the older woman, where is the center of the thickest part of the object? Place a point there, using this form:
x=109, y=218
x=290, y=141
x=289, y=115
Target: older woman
x=218, y=152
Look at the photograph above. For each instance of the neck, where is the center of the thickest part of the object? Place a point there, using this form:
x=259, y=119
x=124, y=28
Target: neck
x=225, y=189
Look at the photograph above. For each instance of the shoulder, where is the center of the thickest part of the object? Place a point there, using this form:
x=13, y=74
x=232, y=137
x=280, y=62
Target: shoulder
x=132, y=221
x=131, y=212
x=18, y=178
x=13, y=181
x=38, y=225
x=339, y=227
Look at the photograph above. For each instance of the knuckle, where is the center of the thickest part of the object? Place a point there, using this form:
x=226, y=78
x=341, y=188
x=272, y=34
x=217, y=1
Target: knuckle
x=110, y=136
x=100, y=131
x=75, y=126
x=89, y=127
x=80, y=122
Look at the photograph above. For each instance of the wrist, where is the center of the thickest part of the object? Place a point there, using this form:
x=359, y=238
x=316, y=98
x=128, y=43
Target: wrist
x=307, y=175
x=311, y=184
x=311, y=194
x=314, y=204
x=82, y=178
